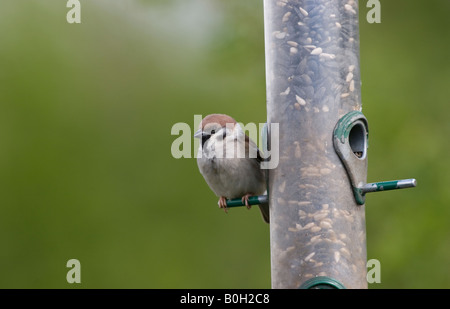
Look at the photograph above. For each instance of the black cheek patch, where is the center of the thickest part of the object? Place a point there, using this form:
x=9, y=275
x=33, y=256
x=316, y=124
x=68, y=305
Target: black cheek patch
x=205, y=137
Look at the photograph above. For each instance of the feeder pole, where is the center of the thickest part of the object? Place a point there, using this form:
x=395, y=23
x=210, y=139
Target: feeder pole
x=317, y=227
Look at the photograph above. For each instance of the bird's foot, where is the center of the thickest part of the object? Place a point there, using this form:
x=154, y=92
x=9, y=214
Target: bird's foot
x=245, y=200
x=223, y=203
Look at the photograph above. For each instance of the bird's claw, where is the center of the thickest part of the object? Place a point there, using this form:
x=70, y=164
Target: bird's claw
x=245, y=200
x=223, y=203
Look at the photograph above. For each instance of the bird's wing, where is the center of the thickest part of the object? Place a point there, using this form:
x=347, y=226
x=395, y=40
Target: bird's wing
x=252, y=145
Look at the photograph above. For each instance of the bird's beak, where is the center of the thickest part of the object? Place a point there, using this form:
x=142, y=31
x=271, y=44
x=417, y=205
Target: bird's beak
x=198, y=134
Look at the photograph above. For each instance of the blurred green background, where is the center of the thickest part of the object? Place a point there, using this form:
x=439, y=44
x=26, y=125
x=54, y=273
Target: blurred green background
x=86, y=171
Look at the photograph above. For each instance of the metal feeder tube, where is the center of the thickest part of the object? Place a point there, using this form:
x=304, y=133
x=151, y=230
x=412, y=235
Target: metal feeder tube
x=313, y=79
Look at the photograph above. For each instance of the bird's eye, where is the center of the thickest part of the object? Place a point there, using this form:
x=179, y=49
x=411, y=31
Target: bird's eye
x=213, y=131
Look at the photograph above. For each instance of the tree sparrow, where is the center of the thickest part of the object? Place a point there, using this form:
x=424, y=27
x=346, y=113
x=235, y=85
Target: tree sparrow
x=230, y=161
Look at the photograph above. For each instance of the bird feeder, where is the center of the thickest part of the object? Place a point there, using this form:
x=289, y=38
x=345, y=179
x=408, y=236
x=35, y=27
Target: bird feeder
x=317, y=191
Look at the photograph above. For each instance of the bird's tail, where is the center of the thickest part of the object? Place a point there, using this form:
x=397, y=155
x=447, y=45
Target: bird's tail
x=265, y=212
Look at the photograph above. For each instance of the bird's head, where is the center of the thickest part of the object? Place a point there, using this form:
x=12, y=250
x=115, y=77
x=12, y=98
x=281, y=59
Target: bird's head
x=215, y=126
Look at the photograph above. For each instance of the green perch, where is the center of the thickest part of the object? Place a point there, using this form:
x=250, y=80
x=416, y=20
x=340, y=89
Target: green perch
x=252, y=200
x=381, y=186
x=388, y=185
